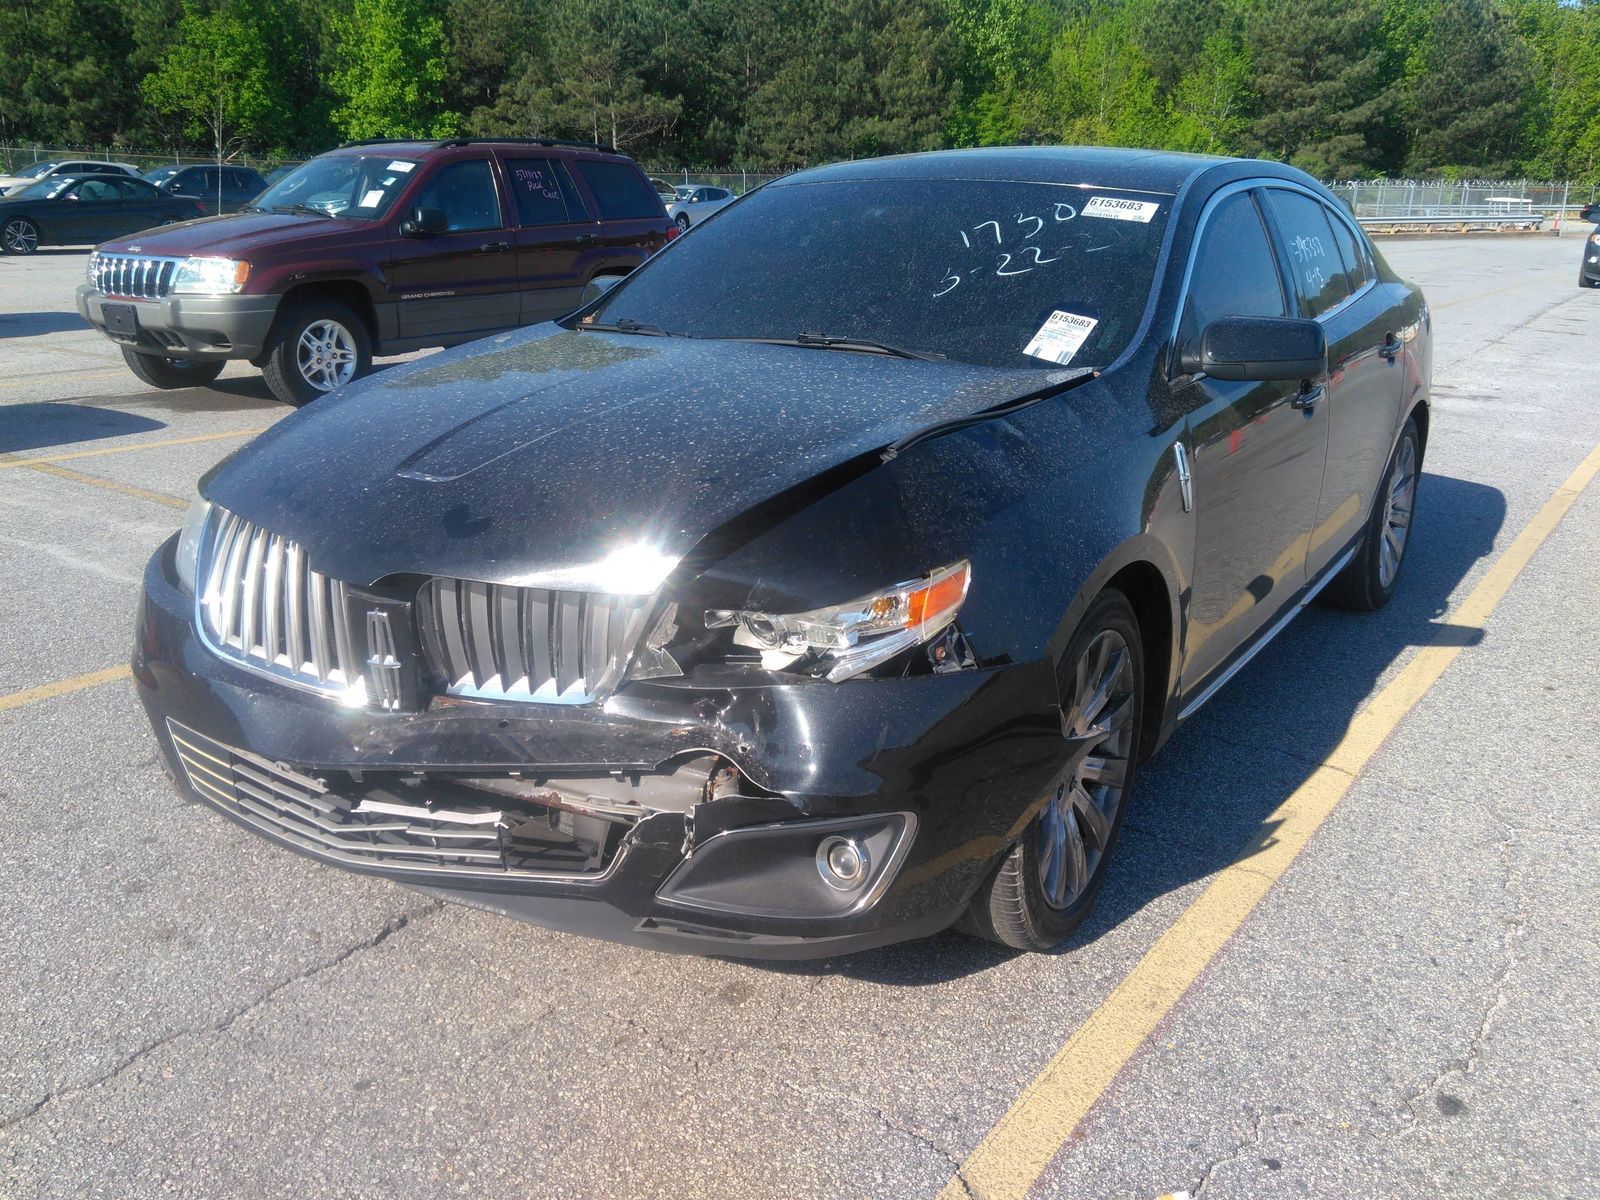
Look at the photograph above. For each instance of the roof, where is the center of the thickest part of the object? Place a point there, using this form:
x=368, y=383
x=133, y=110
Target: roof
x=1136, y=170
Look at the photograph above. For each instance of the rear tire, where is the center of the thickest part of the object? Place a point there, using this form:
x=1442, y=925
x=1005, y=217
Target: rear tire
x=1585, y=282
x=19, y=235
x=1369, y=579
x=320, y=345
x=1047, y=883
x=683, y=222
x=168, y=373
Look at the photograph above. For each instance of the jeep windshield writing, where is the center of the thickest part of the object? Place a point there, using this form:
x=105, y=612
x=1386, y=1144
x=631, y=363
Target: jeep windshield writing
x=359, y=186
x=998, y=274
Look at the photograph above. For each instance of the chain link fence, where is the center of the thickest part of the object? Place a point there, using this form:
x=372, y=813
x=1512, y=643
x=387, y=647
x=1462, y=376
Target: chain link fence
x=1396, y=205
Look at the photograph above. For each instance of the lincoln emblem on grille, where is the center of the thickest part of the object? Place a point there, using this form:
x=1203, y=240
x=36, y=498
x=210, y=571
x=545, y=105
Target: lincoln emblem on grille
x=383, y=668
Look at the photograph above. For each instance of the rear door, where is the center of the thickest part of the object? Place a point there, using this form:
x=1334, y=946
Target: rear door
x=1256, y=458
x=556, y=236
x=1336, y=283
x=137, y=206
x=462, y=281
x=632, y=218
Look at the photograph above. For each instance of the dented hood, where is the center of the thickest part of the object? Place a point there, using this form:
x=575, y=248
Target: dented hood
x=543, y=451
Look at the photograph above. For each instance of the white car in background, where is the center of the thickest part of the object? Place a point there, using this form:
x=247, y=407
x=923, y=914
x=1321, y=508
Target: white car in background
x=34, y=172
x=694, y=203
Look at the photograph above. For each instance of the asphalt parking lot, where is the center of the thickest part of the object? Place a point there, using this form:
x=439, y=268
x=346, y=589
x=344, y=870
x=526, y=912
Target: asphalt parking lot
x=1350, y=945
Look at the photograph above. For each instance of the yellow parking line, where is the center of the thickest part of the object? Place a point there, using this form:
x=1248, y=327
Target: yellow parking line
x=63, y=687
x=183, y=441
x=111, y=485
x=1013, y=1154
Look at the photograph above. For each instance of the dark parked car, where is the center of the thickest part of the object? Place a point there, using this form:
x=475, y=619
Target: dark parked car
x=72, y=210
x=236, y=186
x=823, y=583
x=375, y=248
x=1589, y=266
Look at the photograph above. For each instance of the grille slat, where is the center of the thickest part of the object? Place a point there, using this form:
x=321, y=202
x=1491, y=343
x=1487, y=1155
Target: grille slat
x=134, y=276
x=280, y=800
x=497, y=641
x=262, y=603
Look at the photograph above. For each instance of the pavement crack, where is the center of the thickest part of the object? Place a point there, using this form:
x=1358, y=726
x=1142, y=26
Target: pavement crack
x=1515, y=929
x=895, y=1124
x=1249, y=1143
x=131, y=1060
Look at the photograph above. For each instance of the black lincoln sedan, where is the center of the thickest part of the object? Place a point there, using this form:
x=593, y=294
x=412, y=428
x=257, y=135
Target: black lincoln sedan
x=84, y=209
x=824, y=582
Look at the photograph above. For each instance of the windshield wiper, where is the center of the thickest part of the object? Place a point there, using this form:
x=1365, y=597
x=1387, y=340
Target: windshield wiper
x=252, y=208
x=824, y=341
x=305, y=208
x=628, y=325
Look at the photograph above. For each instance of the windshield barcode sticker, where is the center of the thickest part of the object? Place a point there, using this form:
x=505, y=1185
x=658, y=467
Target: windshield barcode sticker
x=372, y=199
x=1120, y=210
x=1060, y=337
x=398, y=165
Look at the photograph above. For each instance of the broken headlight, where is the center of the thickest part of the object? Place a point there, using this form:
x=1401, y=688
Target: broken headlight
x=853, y=637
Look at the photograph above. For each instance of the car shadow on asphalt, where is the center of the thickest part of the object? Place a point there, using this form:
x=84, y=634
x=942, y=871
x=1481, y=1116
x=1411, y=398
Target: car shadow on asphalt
x=1206, y=799
x=37, y=324
x=48, y=425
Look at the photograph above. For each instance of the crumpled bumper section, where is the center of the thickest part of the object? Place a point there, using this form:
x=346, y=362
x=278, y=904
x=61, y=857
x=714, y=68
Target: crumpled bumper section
x=781, y=822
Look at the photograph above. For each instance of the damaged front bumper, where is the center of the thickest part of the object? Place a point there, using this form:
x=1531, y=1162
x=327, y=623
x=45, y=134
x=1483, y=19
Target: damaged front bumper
x=771, y=821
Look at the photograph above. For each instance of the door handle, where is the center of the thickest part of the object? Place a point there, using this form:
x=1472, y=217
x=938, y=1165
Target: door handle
x=588, y=239
x=1390, y=347
x=494, y=247
x=1308, y=397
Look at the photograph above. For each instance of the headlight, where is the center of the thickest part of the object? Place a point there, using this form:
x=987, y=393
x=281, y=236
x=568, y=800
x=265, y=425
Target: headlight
x=89, y=266
x=188, y=553
x=210, y=276
x=857, y=635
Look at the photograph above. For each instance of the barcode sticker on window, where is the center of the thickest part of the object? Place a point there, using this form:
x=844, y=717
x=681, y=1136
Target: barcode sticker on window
x=372, y=199
x=1117, y=209
x=1060, y=337
x=397, y=165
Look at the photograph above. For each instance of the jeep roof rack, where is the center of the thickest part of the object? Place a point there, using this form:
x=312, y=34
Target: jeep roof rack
x=526, y=141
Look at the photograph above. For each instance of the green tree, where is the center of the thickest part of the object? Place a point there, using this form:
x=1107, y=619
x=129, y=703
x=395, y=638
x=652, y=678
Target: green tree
x=215, y=78
x=1466, y=104
x=1213, y=102
x=1327, y=97
x=391, y=71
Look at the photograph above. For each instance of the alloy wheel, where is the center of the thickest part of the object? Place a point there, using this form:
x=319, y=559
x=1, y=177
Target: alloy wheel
x=20, y=237
x=326, y=355
x=1077, y=821
x=1397, y=510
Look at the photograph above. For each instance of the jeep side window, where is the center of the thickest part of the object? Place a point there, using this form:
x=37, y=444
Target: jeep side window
x=620, y=190
x=544, y=192
x=466, y=194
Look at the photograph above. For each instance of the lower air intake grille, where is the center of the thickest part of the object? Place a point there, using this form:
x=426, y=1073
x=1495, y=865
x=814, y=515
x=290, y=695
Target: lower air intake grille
x=396, y=829
x=495, y=641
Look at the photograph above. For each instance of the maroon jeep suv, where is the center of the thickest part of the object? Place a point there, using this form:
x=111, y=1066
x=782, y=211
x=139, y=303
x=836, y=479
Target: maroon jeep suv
x=374, y=248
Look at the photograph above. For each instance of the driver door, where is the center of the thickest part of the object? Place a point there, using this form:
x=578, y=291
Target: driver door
x=1257, y=456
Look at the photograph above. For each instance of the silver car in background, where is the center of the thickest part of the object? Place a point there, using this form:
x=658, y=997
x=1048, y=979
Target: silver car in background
x=695, y=203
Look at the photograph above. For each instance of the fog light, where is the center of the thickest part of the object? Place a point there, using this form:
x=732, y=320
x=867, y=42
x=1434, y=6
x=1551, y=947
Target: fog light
x=843, y=863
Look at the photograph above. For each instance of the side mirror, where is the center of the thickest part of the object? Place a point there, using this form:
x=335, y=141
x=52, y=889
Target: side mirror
x=1589, y=212
x=424, y=222
x=599, y=286
x=1258, y=348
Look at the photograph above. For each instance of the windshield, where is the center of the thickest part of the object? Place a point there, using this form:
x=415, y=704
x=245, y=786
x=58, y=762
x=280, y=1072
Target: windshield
x=36, y=170
x=160, y=174
x=360, y=186
x=998, y=274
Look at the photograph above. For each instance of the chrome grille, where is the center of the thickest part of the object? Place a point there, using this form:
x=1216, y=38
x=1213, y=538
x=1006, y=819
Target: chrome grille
x=261, y=603
x=376, y=827
x=140, y=276
x=497, y=641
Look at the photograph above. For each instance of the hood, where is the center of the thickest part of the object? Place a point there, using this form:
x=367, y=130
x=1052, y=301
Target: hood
x=529, y=457
x=240, y=235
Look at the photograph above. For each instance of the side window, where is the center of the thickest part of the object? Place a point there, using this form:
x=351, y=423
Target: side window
x=1235, y=273
x=1314, y=257
x=188, y=183
x=130, y=189
x=544, y=192
x=1356, y=266
x=96, y=191
x=619, y=190
x=465, y=193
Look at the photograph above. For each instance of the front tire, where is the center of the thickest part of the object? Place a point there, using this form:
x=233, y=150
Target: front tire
x=320, y=346
x=1048, y=882
x=1369, y=579
x=168, y=373
x=19, y=235
x=683, y=222
x=1585, y=282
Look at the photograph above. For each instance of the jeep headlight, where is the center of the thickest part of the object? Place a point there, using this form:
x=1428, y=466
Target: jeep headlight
x=210, y=276
x=187, y=554
x=855, y=636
